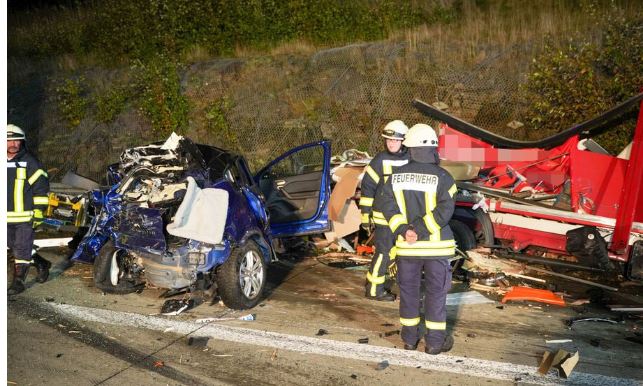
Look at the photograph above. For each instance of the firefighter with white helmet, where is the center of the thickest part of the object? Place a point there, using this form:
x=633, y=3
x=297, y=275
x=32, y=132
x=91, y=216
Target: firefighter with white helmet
x=378, y=170
x=27, y=190
x=418, y=202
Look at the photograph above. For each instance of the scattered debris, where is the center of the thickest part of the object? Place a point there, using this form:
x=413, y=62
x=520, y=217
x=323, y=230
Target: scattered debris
x=353, y=376
x=73, y=332
x=362, y=340
x=619, y=308
x=572, y=278
x=562, y=361
x=570, y=322
x=249, y=317
x=173, y=307
x=158, y=364
x=59, y=355
x=321, y=332
x=49, y=299
x=533, y=294
x=274, y=355
x=382, y=365
x=557, y=341
x=198, y=341
x=470, y=297
x=390, y=333
x=472, y=335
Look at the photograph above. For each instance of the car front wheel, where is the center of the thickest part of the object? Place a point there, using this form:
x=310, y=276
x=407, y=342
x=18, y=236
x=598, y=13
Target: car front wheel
x=242, y=278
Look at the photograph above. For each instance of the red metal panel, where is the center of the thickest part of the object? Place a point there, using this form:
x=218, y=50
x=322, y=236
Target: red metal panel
x=631, y=200
x=521, y=238
x=599, y=178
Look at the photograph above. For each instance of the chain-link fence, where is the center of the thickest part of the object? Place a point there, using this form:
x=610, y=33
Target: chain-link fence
x=262, y=107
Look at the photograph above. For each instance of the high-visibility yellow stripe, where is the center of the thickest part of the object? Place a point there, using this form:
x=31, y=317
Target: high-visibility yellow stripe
x=426, y=252
x=37, y=174
x=387, y=169
x=373, y=277
x=380, y=221
x=425, y=244
x=432, y=225
x=22, y=261
x=18, y=219
x=18, y=198
x=410, y=322
x=435, y=325
x=396, y=221
x=392, y=253
x=453, y=190
x=377, y=214
x=365, y=201
x=365, y=219
x=371, y=172
x=21, y=173
x=401, y=203
x=40, y=200
x=19, y=214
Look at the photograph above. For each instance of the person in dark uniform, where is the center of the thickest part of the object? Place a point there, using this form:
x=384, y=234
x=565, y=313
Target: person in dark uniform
x=27, y=190
x=378, y=170
x=417, y=201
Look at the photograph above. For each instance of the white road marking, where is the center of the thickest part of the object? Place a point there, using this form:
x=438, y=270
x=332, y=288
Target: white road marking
x=443, y=363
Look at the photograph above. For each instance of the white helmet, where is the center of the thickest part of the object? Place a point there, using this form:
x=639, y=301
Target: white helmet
x=395, y=130
x=421, y=135
x=15, y=133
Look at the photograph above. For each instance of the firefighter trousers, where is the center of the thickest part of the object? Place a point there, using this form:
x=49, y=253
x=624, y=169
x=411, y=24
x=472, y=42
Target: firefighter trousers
x=437, y=282
x=376, y=282
x=20, y=239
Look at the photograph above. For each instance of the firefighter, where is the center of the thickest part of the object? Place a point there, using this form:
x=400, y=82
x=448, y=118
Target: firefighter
x=417, y=201
x=27, y=190
x=378, y=170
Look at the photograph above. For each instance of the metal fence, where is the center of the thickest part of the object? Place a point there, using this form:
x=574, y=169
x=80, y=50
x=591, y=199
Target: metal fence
x=270, y=104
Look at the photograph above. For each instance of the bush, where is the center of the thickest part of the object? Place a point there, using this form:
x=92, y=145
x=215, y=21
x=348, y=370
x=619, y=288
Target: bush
x=572, y=84
x=70, y=100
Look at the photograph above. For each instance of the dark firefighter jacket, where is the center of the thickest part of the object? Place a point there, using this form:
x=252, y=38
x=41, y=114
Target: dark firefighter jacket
x=27, y=188
x=419, y=196
x=380, y=167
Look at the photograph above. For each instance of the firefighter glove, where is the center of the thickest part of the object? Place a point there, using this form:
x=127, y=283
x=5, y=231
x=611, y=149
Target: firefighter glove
x=37, y=218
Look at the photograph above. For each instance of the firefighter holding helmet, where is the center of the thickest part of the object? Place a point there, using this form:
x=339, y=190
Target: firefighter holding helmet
x=377, y=171
x=27, y=190
x=417, y=201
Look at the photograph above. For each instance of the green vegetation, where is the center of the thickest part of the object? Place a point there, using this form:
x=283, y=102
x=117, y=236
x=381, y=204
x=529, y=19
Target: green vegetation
x=70, y=100
x=121, y=30
x=583, y=79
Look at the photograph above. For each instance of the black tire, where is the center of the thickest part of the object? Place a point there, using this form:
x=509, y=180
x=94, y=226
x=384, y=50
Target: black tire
x=242, y=278
x=103, y=272
x=484, y=234
x=465, y=240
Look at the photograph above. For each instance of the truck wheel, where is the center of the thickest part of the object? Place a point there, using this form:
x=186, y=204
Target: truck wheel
x=484, y=234
x=110, y=271
x=242, y=278
x=465, y=239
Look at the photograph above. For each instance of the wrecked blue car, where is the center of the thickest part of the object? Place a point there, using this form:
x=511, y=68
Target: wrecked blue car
x=181, y=215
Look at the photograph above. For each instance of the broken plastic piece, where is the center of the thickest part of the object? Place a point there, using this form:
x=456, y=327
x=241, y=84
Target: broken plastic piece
x=364, y=250
x=249, y=317
x=533, y=294
x=174, y=306
x=362, y=340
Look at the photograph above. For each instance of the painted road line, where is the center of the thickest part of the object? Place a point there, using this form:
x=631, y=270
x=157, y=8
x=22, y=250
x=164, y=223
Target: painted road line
x=443, y=363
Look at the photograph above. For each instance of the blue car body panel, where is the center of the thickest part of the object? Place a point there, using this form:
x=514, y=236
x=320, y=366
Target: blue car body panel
x=141, y=229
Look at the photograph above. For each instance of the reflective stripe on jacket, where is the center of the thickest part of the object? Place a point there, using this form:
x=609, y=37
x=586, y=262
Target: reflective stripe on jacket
x=419, y=196
x=27, y=188
x=378, y=170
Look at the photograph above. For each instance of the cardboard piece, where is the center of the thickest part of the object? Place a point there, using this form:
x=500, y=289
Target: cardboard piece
x=343, y=190
x=562, y=361
x=349, y=223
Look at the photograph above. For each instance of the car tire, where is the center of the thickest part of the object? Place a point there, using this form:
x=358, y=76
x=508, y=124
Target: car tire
x=465, y=240
x=242, y=278
x=105, y=275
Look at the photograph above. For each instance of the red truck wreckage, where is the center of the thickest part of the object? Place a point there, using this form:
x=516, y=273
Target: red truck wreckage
x=562, y=200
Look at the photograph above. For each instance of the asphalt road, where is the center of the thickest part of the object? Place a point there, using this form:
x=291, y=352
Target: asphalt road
x=307, y=331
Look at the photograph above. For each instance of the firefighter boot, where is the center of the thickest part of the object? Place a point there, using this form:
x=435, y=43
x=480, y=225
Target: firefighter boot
x=42, y=266
x=19, y=276
x=446, y=346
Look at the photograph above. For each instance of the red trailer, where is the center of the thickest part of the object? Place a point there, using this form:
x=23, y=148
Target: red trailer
x=562, y=197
